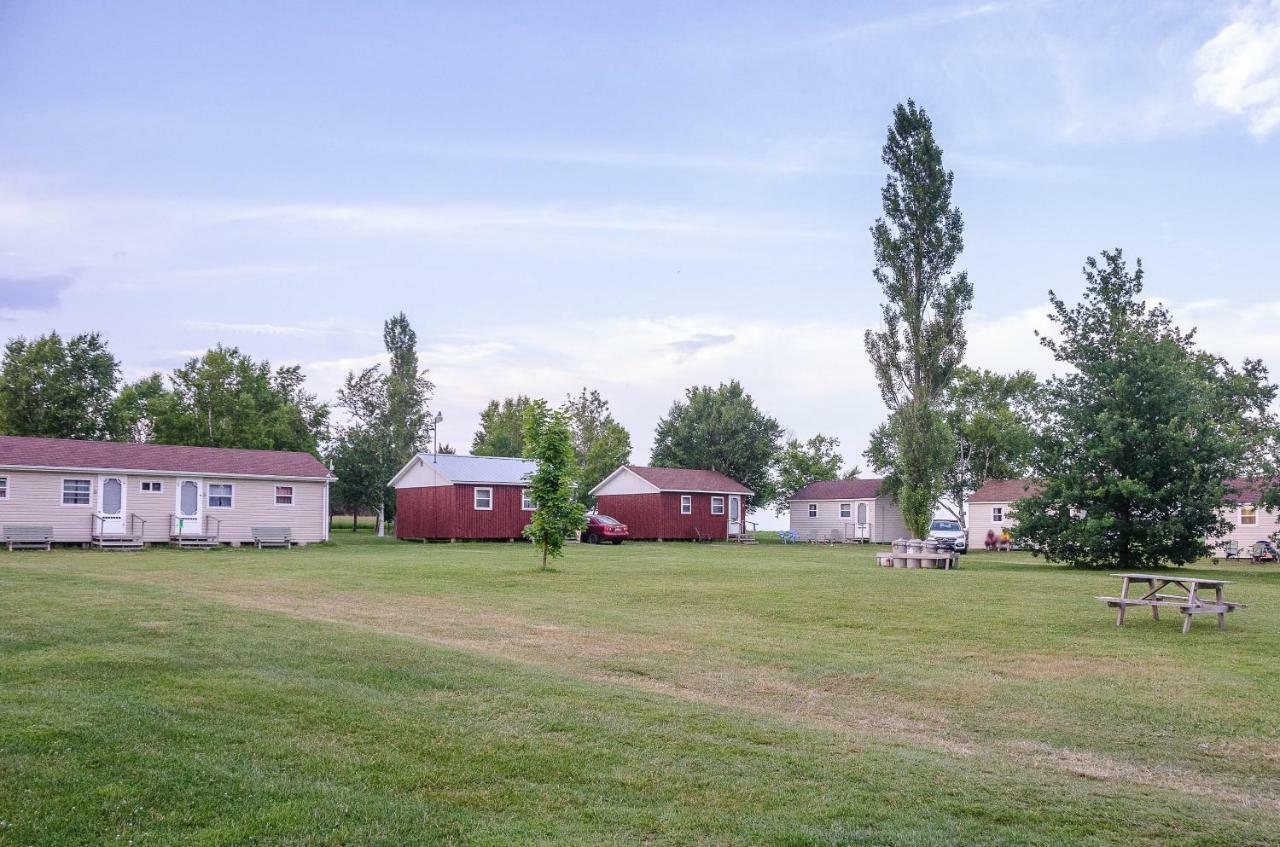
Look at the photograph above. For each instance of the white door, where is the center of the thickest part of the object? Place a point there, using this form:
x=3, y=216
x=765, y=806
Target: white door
x=112, y=493
x=735, y=514
x=187, y=510
x=864, y=531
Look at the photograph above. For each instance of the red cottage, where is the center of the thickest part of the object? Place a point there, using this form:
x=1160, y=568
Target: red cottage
x=443, y=496
x=673, y=503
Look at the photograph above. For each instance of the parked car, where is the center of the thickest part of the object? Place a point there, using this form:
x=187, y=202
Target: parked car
x=604, y=528
x=949, y=533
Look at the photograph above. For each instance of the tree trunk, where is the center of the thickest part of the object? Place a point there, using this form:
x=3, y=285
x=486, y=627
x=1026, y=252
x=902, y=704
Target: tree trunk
x=382, y=523
x=544, y=555
x=355, y=520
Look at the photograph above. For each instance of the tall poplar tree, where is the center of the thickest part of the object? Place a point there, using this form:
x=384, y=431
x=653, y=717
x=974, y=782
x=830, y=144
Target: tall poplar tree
x=922, y=341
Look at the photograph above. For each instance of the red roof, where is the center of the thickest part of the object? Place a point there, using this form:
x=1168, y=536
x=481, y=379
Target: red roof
x=1004, y=490
x=24, y=452
x=1248, y=490
x=687, y=479
x=840, y=489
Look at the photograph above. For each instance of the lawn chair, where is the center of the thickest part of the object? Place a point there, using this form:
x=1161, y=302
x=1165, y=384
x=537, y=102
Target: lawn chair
x=1231, y=550
x=1263, y=551
x=788, y=536
x=835, y=537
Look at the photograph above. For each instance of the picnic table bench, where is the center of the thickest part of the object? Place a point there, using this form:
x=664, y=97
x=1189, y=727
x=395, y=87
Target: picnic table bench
x=28, y=537
x=272, y=536
x=1158, y=595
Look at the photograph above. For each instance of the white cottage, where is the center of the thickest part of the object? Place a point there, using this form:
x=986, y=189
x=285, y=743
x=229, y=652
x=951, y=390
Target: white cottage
x=112, y=494
x=853, y=509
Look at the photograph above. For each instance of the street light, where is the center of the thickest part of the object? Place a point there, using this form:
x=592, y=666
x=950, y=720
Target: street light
x=435, y=435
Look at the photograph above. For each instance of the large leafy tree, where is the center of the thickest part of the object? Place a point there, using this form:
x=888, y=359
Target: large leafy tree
x=58, y=389
x=502, y=428
x=557, y=514
x=989, y=415
x=721, y=429
x=359, y=463
x=226, y=399
x=922, y=342
x=800, y=463
x=1138, y=439
x=600, y=443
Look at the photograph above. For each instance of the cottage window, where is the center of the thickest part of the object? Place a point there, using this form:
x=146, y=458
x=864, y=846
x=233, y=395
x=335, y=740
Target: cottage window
x=997, y=514
x=484, y=499
x=717, y=505
x=220, y=495
x=284, y=495
x=813, y=510
x=152, y=487
x=686, y=504
x=526, y=501
x=4, y=488
x=846, y=510
x=75, y=492
x=1248, y=516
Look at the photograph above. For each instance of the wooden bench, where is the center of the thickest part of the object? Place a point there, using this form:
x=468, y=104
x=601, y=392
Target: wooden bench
x=272, y=536
x=28, y=537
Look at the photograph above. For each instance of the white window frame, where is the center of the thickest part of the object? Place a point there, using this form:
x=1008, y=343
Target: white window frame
x=686, y=504
x=997, y=514
x=1252, y=516
x=846, y=511
x=151, y=486
x=89, y=490
x=717, y=501
x=278, y=495
x=4, y=488
x=526, y=502
x=475, y=499
x=230, y=495
x=813, y=510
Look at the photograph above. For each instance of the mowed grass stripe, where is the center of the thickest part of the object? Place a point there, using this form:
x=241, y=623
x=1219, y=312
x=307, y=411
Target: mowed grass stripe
x=216, y=722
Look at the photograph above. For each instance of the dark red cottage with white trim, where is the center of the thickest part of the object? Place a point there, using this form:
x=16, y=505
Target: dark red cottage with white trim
x=674, y=503
x=443, y=497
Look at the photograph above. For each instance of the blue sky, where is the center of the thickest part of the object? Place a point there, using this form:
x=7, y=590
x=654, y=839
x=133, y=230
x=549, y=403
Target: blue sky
x=631, y=197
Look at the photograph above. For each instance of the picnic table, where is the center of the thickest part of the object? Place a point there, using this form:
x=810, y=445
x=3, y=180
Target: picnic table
x=1159, y=594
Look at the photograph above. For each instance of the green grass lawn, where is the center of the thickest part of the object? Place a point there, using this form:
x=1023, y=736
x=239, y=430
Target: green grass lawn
x=373, y=692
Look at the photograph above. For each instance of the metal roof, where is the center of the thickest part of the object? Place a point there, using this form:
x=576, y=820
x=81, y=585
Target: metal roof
x=498, y=470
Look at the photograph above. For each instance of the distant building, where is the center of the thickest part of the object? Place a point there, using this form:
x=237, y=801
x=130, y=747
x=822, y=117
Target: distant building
x=445, y=497
x=854, y=509
x=990, y=509
x=674, y=503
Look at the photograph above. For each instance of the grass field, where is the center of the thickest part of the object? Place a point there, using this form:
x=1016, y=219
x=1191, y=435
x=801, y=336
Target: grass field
x=372, y=692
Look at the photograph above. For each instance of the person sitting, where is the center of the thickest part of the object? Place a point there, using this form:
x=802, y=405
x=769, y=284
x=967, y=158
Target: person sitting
x=1006, y=540
x=991, y=539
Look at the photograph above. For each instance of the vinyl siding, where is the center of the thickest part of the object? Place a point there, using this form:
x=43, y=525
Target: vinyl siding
x=890, y=524
x=1268, y=523
x=35, y=498
x=979, y=522
x=828, y=519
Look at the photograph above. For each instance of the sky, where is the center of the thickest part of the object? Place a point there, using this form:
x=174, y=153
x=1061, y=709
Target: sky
x=632, y=197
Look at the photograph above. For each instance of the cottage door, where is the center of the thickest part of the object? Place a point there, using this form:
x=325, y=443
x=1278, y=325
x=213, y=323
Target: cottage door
x=735, y=514
x=864, y=531
x=187, y=510
x=111, y=505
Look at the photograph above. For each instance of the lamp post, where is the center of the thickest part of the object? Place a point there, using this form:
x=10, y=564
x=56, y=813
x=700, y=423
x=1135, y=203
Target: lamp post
x=435, y=435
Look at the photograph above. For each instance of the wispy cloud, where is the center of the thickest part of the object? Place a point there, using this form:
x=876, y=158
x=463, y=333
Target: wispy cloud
x=1239, y=68
x=689, y=347
x=937, y=16
x=275, y=329
x=33, y=292
x=427, y=220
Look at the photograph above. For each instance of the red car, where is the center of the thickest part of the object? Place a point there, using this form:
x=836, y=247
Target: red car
x=604, y=528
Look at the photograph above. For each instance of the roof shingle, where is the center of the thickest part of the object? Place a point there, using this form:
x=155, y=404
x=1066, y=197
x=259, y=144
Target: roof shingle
x=840, y=489
x=687, y=479
x=1004, y=490
x=26, y=452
